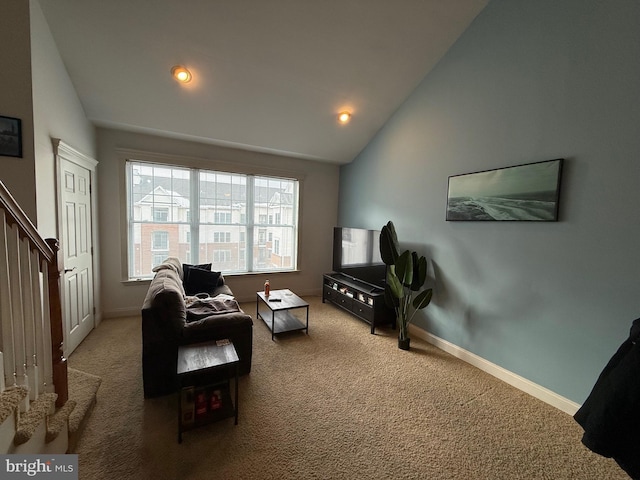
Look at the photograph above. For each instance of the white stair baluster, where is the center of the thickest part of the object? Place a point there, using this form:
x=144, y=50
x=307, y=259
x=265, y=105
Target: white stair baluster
x=6, y=327
x=15, y=275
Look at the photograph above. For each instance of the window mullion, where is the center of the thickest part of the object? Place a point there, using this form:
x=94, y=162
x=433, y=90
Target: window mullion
x=130, y=219
x=250, y=185
x=194, y=223
x=295, y=223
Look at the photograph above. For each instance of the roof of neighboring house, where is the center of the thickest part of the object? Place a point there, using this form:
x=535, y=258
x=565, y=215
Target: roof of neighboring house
x=175, y=191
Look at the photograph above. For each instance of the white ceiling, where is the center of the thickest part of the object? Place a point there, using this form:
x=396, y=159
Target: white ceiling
x=269, y=75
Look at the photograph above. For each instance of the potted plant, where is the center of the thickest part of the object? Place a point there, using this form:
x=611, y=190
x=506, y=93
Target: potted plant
x=406, y=276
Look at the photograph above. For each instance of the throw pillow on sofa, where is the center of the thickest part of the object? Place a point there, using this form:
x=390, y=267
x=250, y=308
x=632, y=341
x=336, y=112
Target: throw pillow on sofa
x=207, y=267
x=186, y=267
x=201, y=280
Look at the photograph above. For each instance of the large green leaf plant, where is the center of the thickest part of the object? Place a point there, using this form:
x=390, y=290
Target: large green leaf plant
x=406, y=276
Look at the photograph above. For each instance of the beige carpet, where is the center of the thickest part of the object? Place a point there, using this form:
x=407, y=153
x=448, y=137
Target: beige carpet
x=337, y=404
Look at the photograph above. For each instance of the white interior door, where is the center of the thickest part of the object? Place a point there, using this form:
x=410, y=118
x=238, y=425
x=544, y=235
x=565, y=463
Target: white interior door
x=76, y=244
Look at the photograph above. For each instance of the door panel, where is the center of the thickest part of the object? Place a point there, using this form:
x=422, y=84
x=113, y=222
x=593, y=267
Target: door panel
x=72, y=300
x=77, y=253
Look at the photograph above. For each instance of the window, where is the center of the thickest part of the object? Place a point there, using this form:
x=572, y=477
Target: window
x=188, y=213
x=160, y=214
x=157, y=259
x=160, y=240
x=221, y=256
x=222, y=217
x=221, y=237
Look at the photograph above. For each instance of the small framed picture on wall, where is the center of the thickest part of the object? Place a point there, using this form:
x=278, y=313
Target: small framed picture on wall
x=10, y=137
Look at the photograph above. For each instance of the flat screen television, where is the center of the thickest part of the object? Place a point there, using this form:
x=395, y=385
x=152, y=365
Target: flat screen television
x=356, y=253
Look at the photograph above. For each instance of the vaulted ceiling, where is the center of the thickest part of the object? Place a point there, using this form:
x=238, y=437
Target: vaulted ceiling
x=268, y=75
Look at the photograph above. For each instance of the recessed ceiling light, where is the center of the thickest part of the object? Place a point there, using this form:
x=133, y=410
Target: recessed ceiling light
x=344, y=117
x=181, y=74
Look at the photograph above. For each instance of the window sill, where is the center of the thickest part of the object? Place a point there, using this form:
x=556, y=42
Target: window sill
x=251, y=274
x=147, y=281
x=137, y=281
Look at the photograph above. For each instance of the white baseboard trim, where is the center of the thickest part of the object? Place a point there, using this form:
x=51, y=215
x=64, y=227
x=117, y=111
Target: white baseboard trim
x=521, y=383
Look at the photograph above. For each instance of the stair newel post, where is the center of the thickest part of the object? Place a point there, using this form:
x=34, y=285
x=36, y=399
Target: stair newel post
x=59, y=362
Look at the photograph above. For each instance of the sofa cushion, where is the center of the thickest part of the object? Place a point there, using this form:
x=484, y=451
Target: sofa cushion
x=221, y=290
x=200, y=280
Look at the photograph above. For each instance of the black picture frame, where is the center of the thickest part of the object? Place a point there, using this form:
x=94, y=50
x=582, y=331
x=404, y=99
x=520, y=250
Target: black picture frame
x=528, y=192
x=10, y=137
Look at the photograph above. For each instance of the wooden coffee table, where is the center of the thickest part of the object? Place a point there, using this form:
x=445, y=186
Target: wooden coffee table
x=275, y=311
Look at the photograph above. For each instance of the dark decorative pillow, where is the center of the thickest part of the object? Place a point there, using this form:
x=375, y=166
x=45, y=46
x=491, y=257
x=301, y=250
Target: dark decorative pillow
x=200, y=280
x=186, y=267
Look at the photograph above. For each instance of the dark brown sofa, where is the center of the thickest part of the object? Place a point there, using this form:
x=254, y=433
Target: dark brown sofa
x=168, y=323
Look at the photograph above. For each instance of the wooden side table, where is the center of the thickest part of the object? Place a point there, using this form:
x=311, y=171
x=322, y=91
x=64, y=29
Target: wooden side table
x=204, y=398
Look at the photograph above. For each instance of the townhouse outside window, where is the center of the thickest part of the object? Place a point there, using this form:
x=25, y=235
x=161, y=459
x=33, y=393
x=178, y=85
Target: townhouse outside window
x=160, y=214
x=159, y=246
x=241, y=223
x=160, y=241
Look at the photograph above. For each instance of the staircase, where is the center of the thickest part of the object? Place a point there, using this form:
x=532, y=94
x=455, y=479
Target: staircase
x=36, y=407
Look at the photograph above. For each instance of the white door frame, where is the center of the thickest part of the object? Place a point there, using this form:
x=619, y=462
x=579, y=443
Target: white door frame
x=61, y=151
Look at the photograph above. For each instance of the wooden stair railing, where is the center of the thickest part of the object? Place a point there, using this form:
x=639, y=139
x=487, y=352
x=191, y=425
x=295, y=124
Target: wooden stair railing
x=59, y=362
x=31, y=330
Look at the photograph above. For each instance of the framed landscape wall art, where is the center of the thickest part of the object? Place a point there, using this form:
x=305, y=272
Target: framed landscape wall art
x=10, y=137
x=529, y=192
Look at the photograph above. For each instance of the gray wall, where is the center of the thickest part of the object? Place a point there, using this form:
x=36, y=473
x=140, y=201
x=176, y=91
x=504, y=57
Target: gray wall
x=18, y=174
x=37, y=89
x=57, y=113
x=318, y=212
x=528, y=81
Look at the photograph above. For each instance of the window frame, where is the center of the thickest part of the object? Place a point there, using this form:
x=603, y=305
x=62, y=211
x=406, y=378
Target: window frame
x=252, y=252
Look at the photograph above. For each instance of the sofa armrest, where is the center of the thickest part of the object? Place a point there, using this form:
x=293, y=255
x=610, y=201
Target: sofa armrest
x=237, y=327
x=163, y=318
x=200, y=330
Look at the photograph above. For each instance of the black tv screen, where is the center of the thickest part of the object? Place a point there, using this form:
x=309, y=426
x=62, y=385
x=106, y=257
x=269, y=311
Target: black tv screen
x=356, y=252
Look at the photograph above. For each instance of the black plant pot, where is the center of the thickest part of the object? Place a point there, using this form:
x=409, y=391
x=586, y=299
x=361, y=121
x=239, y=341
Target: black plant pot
x=403, y=343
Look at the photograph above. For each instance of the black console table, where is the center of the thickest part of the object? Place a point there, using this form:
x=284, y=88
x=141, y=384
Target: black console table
x=362, y=299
